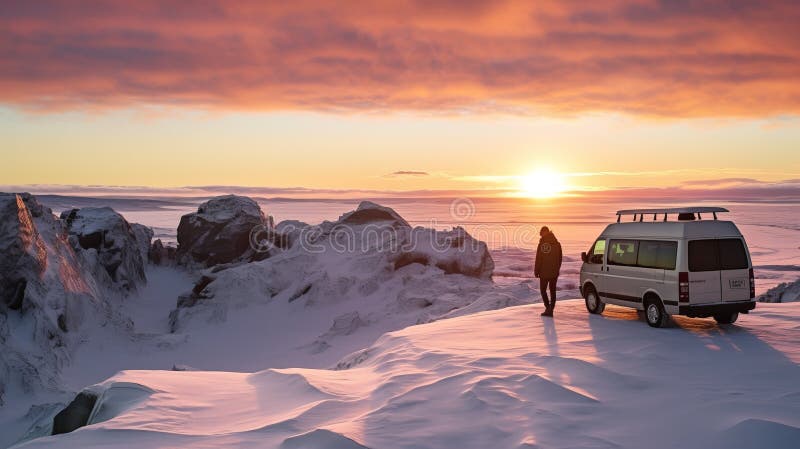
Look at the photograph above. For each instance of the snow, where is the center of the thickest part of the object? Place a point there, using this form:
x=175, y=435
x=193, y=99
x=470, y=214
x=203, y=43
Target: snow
x=465, y=379
x=149, y=309
x=501, y=379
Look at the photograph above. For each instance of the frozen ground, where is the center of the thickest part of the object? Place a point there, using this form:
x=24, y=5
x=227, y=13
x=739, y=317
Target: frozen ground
x=499, y=379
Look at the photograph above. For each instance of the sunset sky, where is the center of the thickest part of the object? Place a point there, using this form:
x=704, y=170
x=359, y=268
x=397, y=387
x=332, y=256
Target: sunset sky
x=411, y=97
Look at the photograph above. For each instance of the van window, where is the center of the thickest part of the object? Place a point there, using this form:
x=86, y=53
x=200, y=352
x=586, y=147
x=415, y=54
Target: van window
x=717, y=254
x=623, y=252
x=599, y=247
x=703, y=255
x=732, y=255
x=597, y=252
x=657, y=254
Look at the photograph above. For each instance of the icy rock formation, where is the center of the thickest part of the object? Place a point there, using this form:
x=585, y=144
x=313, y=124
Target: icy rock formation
x=76, y=414
x=114, y=250
x=46, y=294
x=144, y=235
x=370, y=256
x=369, y=212
x=220, y=232
x=454, y=252
x=785, y=292
x=160, y=254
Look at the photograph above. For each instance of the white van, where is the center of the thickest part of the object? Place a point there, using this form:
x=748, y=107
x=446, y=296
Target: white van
x=682, y=262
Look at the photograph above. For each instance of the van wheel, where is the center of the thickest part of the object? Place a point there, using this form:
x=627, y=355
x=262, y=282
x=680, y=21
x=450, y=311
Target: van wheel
x=727, y=318
x=593, y=302
x=654, y=312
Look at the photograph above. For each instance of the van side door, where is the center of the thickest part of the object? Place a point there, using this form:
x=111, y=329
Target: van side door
x=595, y=264
x=624, y=280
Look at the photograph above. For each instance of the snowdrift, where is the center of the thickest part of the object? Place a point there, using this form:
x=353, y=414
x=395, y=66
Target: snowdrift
x=785, y=292
x=498, y=379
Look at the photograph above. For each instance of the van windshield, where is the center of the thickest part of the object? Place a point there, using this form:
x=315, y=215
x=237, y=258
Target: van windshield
x=717, y=254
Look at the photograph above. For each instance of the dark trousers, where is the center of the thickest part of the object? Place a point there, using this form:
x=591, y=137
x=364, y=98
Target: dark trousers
x=544, y=284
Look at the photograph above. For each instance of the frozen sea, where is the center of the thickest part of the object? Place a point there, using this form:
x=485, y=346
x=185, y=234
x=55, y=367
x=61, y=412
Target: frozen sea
x=508, y=225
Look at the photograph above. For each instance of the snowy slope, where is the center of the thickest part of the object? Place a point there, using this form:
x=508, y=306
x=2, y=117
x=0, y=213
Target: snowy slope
x=498, y=379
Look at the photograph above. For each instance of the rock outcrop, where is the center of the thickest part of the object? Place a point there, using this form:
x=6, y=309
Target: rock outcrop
x=369, y=252
x=369, y=212
x=114, y=250
x=785, y=292
x=161, y=254
x=454, y=252
x=220, y=232
x=59, y=279
x=45, y=291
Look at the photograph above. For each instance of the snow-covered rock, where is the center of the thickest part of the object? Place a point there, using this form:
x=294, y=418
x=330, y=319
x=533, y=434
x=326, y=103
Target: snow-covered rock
x=161, y=254
x=453, y=251
x=47, y=295
x=785, y=292
x=114, y=249
x=144, y=237
x=369, y=212
x=370, y=258
x=220, y=231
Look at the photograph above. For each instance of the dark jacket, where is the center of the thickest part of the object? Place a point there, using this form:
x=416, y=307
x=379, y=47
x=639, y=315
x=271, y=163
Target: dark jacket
x=548, y=257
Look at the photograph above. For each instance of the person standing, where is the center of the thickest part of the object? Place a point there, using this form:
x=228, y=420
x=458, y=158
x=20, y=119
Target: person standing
x=548, y=267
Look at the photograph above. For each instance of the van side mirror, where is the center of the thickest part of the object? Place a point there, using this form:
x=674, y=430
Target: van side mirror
x=584, y=257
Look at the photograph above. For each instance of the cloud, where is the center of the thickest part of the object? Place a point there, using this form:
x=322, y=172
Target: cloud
x=661, y=58
x=266, y=191
x=768, y=192
x=409, y=173
x=722, y=181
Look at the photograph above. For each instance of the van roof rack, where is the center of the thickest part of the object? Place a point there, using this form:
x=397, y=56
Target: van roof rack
x=683, y=213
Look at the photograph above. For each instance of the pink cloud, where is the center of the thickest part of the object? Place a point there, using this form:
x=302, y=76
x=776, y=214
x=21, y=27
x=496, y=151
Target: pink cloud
x=663, y=58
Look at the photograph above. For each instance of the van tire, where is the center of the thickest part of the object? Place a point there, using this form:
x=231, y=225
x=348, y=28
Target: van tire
x=727, y=318
x=654, y=312
x=593, y=302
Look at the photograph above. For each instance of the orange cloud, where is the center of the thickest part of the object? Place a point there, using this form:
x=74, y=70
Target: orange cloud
x=663, y=58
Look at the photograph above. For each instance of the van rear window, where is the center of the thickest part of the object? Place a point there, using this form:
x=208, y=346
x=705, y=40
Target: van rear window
x=717, y=254
x=732, y=255
x=703, y=255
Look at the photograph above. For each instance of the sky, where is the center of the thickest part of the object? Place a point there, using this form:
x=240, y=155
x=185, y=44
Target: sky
x=432, y=97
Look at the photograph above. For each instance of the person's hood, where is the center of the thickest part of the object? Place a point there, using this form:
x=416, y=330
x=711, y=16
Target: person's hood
x=549, y=238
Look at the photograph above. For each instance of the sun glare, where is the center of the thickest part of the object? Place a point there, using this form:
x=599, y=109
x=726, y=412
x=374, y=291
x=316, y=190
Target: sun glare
x=543, y=183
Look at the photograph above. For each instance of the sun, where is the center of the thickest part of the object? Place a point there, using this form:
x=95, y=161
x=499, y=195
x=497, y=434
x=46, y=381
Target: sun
x=543, y=183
